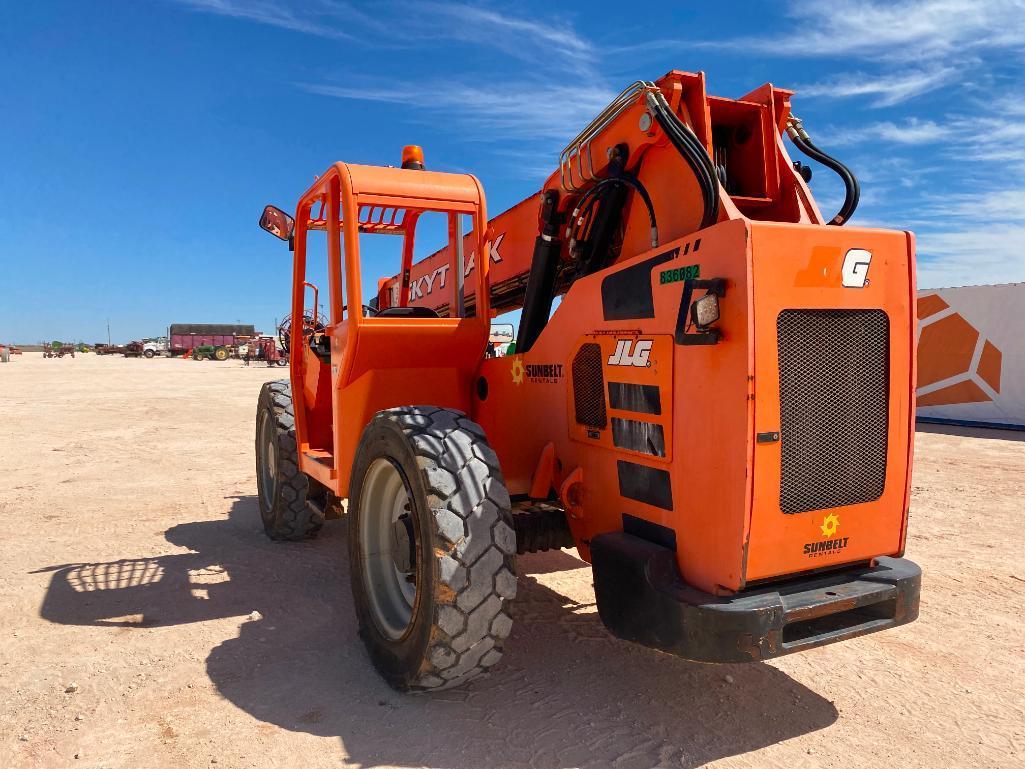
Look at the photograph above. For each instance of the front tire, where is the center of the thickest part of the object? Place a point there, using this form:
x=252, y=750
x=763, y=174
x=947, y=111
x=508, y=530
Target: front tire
x=282, y=488
x=149, y=353
x=432, y=548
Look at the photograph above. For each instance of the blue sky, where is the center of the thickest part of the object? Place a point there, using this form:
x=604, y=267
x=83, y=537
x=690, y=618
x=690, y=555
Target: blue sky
x=141, y=139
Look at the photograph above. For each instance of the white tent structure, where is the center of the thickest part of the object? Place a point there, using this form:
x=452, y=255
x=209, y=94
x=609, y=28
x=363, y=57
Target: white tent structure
x=971, y=355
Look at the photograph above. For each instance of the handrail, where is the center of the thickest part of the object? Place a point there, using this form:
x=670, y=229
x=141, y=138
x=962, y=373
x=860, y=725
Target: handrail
x=582, y=143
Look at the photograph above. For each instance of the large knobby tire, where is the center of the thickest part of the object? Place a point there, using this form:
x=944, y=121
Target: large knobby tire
x=282, y=488
x=220, y=354
x=432, y=548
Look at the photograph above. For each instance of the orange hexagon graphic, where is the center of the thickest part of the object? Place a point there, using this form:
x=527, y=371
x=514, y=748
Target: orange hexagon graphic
x=946, y=350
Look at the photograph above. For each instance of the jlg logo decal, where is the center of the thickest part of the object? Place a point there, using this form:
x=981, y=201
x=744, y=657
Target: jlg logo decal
x=637, y=356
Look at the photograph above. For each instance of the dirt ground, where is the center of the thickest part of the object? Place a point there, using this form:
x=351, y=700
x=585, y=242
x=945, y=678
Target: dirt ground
x=134, y=568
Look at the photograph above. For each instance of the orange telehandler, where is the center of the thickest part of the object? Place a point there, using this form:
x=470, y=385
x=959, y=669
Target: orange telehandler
x=718, y=414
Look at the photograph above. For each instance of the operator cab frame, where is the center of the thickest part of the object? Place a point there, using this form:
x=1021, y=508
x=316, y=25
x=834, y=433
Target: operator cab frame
x=346, y=362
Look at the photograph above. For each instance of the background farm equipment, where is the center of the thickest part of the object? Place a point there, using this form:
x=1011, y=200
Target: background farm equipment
x=210, y=352
x=188, y=337
x=265, y=348
x=58, y=350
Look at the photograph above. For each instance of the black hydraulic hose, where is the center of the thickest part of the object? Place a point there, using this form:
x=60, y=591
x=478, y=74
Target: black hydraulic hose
x=583, y=213
x=695, y=155
x=585, y=205
x=635, y=183
x=852, y=192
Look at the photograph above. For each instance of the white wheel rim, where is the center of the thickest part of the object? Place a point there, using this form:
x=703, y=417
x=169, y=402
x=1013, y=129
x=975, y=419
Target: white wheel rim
x=388, y=548
x=269, y=463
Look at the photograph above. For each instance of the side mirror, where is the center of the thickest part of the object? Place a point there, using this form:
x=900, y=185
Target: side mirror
x=277, y=222
x=501, y=333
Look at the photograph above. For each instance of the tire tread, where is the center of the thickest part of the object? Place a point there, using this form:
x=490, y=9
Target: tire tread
x=294, y=520
x=470, y=510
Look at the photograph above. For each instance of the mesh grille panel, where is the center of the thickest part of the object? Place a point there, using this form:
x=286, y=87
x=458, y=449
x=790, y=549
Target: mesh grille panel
x=589, y=386
x=834, y=393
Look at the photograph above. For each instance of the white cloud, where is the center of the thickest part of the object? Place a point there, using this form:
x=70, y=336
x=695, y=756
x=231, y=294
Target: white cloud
x=888, y=90
x=907, y=30
x=497, y=112
x=268, y=12
x=987, y=139
x=419, y=24
x=912, y=131
x=971, y=255
x=972, y=238
x=1002, y=206
x=530, y=38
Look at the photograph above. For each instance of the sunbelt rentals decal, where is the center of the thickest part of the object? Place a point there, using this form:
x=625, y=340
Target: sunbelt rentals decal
x=831, y=543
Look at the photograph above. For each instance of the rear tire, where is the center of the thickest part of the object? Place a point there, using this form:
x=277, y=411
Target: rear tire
x=432, y=548
x=282, y=488
x=221, y=354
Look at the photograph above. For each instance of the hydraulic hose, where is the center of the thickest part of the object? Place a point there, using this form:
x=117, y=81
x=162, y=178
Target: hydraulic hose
x=586, y=203
x=694, y=153
x=800, y=138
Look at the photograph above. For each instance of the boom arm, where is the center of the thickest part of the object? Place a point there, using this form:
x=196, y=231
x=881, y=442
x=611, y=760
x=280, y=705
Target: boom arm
x=662, y=161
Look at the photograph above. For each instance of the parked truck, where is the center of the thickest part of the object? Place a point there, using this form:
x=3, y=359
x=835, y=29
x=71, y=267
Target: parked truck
x=151, y=348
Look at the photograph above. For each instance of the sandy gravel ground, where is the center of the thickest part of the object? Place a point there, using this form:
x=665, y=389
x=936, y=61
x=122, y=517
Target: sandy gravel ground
x=134, y=568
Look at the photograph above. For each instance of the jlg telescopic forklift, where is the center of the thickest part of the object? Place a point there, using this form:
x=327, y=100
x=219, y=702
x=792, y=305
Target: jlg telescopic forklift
x=717, y=415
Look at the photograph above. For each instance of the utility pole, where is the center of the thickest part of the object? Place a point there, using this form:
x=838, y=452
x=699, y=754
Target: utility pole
x=108, y=332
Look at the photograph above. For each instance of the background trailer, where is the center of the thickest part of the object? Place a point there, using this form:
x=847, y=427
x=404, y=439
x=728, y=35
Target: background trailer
x=971, y=355
x=188, y=336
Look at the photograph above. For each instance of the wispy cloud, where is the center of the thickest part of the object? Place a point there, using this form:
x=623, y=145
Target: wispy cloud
x=310, y=20
x=906, y=30
x=411, y=24
x=532, y=38
x=912, y=131
x=997, y=138
x=507, y=110
x=966, y=238
x=533, y=113
x=998, y=206
x=971, y=255
x=887, y=89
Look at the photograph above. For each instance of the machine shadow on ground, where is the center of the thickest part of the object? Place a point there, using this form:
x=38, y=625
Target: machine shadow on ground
x=566, y=694
x=964, y=431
